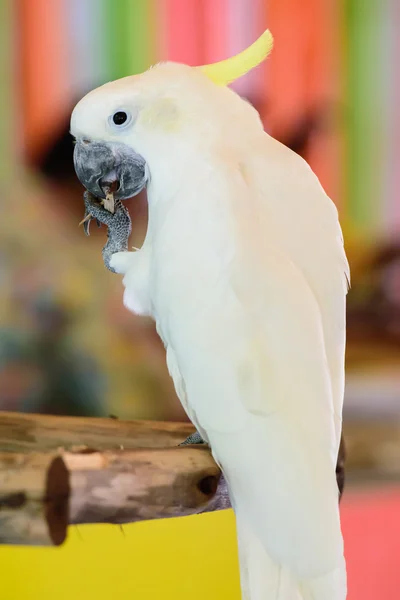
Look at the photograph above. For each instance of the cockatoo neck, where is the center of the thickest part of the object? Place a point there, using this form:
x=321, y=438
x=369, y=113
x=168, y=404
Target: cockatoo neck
x=176, y=185
x=176, y=172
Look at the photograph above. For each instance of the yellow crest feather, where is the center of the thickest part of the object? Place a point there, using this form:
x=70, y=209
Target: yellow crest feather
x=226, y=71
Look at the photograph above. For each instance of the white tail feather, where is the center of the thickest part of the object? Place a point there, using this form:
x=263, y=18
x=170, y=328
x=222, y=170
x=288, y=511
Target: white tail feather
x=263, y=579
x=260, y=577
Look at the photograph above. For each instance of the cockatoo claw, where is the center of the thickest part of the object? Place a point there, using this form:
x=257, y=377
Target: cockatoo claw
x=195, y=438
x=118, y=224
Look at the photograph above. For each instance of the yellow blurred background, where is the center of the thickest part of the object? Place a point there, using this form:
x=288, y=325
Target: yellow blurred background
x=331, y=92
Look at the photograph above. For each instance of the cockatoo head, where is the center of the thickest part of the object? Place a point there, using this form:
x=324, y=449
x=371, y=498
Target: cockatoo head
x=127, y=128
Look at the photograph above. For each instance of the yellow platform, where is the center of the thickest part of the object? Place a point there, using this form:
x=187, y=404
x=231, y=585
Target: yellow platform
x=172, y=559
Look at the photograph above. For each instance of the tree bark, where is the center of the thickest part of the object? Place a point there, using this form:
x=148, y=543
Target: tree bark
x=136, y=485
x=21, y=432
x=41, y=494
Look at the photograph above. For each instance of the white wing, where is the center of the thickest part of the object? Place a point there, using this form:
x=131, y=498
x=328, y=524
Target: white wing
x=254, y=314
x=258, y=383
x=294, y=204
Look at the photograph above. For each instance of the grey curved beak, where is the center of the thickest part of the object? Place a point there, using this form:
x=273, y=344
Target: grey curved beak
x=102, y=164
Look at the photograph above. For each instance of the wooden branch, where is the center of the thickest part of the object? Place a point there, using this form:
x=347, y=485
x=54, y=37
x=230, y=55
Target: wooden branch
x=40, y=494
x=127, y=471
x=21, y=432
x=135, y=485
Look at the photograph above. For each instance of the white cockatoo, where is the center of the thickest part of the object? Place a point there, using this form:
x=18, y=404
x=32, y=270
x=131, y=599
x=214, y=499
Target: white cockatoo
x=244, y=272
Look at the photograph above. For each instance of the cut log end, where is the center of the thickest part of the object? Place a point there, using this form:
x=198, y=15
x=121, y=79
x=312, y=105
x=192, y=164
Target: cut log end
x=57, y=500
x=34, y=495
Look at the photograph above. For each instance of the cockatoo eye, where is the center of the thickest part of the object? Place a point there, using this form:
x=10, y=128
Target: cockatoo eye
x=120, y=119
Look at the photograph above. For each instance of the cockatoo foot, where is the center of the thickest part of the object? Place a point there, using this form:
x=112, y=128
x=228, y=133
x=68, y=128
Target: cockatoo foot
x=118, y=223
x=195, y=438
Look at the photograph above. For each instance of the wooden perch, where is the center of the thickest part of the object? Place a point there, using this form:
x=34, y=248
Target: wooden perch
x=56, y=471
x=135, y=485
x=41, y=494
x=27, y=433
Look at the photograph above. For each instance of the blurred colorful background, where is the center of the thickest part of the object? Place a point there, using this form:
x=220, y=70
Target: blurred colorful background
x=330, y=91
